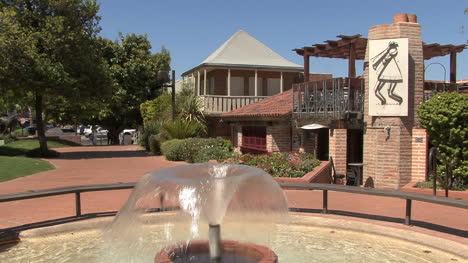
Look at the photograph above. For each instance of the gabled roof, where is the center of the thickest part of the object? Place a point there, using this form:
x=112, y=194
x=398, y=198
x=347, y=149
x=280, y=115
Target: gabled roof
x=243, y=50
x=279, y=105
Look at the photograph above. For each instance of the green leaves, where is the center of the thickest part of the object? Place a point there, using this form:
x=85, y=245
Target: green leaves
x=445, y=117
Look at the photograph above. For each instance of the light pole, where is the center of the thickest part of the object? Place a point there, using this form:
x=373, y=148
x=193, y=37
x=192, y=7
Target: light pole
x=164, y=76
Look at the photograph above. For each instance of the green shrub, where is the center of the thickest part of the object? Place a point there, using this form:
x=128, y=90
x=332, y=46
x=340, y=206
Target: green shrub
x=188, y=149
x=159, y=108
x=7, y=138
x=444, y=117
x=151, y=128
x=279, y=164
x=170, y=149
x=20, y=133
x=154, y=144
x=36, y=153
x=212, y=153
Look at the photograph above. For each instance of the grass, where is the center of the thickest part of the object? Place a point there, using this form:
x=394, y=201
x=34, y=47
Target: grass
x=14, y=167
x=21, y=147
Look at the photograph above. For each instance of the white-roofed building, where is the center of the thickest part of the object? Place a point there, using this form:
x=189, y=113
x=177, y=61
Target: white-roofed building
x=240, y=72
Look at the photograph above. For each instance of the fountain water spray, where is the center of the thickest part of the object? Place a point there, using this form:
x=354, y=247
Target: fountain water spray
x=202, y=199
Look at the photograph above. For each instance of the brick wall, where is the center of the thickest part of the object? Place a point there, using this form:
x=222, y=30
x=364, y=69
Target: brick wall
x=337, y=149
x=388, y=160
x=304, y=141
x=419, y=148
x=278, y=138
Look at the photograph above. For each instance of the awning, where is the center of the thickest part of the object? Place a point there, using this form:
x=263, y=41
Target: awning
x=314, y=126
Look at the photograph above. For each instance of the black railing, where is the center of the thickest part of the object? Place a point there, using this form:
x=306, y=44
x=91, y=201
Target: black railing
x=328, y=99
x=77, y=190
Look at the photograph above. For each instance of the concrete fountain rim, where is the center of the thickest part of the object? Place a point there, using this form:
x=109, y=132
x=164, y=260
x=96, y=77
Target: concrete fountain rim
x=389, y=230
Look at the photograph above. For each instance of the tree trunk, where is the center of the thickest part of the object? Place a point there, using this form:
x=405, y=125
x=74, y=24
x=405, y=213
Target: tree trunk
x=114, y=135
x=40, y=124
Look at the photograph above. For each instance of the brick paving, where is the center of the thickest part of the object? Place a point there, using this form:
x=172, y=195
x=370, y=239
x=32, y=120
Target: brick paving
x=113, y=164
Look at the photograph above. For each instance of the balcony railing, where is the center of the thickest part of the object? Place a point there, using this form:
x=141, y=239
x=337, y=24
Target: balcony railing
x=328, y=99
x=214, y=104
x=254, y=143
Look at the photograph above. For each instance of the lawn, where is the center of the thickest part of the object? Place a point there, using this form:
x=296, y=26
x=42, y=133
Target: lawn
x=20, y=147
x=14, y=167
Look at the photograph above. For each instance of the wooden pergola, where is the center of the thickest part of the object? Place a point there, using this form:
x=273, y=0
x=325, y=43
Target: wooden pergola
x=354, y=48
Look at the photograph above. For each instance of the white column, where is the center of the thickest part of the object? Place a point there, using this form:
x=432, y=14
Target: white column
x=204, y=83
x=256, y=83
x=194, y=84
x=281, y=82
x=198, y=83
x=229, y=82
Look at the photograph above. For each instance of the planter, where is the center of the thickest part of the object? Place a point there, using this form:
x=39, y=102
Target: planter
x=320, y=174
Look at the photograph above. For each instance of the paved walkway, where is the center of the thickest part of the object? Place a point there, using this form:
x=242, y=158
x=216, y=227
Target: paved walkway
x=113, y=164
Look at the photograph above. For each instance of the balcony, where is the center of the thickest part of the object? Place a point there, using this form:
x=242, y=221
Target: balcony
x=214, y=104
x=331, y=99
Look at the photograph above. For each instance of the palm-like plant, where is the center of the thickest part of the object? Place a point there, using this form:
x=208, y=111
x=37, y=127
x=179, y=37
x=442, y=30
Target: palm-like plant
x=183, y=128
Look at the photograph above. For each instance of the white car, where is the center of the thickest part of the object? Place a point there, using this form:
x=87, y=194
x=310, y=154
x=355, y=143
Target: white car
x=101, y=133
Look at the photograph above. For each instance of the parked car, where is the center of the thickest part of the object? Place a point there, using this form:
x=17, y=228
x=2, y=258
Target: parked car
x=101, y=133
x=31, y=129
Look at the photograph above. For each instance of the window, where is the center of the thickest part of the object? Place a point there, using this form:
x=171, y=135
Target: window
x=237, y=86
x=273, y=86
x=252, y=86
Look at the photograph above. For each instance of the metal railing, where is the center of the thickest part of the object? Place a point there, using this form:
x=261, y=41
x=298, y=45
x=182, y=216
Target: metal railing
x=214, y=104
x=255, y=143
x=328, y=99
x=408, y=196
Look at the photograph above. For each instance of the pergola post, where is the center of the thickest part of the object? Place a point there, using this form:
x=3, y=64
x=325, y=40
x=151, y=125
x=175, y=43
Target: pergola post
x=229, y=82
x=281, y=82
x=204, y=82
x=306, y=68
x=352, y=61
x=453, y=70
x=256, y=82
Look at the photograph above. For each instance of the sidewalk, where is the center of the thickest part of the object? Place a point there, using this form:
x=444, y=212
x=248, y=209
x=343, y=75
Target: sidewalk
x=113, y=164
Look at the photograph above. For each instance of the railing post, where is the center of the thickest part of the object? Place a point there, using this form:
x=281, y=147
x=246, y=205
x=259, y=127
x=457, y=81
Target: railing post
x=325, y=201
x=78, y=203
x=408, y=212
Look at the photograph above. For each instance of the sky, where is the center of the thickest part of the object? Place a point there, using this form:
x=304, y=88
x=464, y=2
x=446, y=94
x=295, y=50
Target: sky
x=192, y=30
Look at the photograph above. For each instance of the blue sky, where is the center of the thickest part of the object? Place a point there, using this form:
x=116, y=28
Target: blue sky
x=192, y=30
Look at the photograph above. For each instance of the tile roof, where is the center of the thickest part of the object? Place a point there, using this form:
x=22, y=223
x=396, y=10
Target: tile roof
x=279, y=105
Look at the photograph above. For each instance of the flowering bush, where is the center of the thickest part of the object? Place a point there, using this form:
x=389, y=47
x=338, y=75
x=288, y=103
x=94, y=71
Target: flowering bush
x=279, y=164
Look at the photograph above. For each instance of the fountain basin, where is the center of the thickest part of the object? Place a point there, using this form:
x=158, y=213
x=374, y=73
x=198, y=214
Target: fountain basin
x=306, y=238
x=232, y=251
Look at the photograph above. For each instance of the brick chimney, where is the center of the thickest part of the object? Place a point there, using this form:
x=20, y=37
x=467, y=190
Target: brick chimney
x=404, y=17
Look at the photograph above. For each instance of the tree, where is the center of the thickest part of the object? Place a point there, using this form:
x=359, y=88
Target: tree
x=134, y=70
x=444, y=117
x=49, y=51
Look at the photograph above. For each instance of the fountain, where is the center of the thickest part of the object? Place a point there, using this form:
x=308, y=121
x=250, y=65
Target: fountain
x=228, y=213
x=205, y=199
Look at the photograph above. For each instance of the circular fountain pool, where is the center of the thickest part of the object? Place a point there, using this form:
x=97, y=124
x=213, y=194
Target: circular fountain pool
x=215, y=203
x=306, y=238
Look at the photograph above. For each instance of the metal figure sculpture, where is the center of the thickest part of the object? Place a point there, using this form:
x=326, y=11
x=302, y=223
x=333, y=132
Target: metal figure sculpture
x=8, y=124
x=388, y=72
